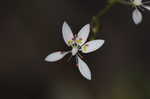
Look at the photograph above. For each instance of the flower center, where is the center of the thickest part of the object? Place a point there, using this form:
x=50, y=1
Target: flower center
x=137, y=2
x=74, y=50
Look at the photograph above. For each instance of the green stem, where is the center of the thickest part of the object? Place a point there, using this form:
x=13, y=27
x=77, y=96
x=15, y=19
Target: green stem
x=96, y=20
x=124, y=2
x=104, y=11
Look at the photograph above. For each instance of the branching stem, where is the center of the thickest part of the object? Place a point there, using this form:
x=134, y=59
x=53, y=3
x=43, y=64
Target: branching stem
x=96, y=20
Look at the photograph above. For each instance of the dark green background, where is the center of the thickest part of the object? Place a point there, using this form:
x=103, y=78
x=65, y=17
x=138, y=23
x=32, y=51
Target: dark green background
x=31, y=29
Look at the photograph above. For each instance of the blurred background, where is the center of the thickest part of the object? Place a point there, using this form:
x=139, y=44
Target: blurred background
x=31, y=29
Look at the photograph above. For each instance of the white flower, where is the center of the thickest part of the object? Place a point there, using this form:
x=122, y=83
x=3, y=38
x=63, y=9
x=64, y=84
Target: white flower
x=136, y=14
x=78, y=44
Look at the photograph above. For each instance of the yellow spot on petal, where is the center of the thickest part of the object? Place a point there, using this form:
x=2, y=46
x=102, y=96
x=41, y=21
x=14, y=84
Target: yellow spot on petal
x=85, y=48
x=79, y=41
x=70, y=42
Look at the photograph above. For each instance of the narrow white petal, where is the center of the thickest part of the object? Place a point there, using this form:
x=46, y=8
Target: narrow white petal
x=92, y=46
x=55, y=56
x=145, y=2
x=146, y=7
x=83, y=34
x=84, y=69
x=67, y=33
x=137, y=16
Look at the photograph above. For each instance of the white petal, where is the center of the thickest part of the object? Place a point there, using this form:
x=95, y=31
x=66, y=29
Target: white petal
x=55, y=56
x=67, y=33
x=137, y=16
x=146, y=7
x=84, y=69
x=92, y=46
x=83, y=35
